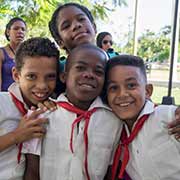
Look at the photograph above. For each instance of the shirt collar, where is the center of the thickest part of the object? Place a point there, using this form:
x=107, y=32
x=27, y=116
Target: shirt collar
x=97, y=103
x=15, y=90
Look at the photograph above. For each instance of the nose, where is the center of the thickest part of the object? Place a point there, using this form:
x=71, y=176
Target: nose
x=88, y=74
x=123, y=93
x=42, y=85
x=76, y=25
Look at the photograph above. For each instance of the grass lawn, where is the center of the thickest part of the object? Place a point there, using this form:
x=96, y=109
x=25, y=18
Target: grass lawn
x=159, y=92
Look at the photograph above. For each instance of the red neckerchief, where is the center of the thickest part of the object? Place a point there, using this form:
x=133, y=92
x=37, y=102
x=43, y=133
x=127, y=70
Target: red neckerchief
x=125, y=141
x=82, y=114
x=23, y=111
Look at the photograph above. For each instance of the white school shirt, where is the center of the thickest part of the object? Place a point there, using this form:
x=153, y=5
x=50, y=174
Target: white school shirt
x=59, y=163
x=154, y=154
x=9, y=120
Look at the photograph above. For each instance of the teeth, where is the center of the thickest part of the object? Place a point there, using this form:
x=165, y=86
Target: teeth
x=87, y=85
x=40, y=95
x=124, y=104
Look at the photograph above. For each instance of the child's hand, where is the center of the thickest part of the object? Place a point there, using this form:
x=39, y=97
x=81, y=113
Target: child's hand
x=174, y=127
x=47, y=105
x=30, y=127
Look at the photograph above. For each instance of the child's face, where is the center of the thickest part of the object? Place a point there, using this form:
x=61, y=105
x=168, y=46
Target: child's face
x=74, y=28
x=85, y=77
x=37, y=78
x=127, y=91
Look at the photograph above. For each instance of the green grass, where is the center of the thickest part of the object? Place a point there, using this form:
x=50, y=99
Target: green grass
x=159, y=92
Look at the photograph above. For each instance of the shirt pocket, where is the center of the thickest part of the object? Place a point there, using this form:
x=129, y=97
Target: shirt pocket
x=101, y=151
x=166, y=158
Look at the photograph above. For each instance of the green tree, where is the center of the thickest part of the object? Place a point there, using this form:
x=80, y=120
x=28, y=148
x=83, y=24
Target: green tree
x=151, y=45
x=37, y=13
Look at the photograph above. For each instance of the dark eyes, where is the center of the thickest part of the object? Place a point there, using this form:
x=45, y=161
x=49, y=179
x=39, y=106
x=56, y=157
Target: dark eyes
x=31, y=77
x=98, y=71
x=115, y=87
x=112, y=88
x=81, y=18
x=67, y=24
x=131, y=85
x=49, y=77
x=16, y=28
x=80, y=68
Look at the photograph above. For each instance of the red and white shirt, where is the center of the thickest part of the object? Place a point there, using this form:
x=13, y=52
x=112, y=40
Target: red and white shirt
x=154, y=154
x=58, y=161
x=9, y=119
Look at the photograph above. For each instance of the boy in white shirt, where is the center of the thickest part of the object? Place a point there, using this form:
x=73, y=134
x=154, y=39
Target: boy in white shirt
x=35, y=76
x=146, y=150
x=83, y=132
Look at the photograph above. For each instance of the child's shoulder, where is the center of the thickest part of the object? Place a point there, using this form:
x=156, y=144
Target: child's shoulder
x=5, y=98
x=164, y=113
x=8, y=111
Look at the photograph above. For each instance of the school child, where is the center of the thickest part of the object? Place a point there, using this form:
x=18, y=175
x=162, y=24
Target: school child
x=82, y=133
x=146, y=149
x=35, y=75
x=72, y=24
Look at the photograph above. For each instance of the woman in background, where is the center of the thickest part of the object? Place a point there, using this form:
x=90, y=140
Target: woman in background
x=104, y=41
x=14, y=33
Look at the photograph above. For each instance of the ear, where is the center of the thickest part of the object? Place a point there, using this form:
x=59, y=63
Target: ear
x=149, y=90
x=15, y=74
x=95, y=29
x=61, y=43
x=7, y=32
x=62, y=77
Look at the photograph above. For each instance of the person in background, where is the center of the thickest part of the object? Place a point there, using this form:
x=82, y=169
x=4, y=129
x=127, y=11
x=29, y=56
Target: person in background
x=105, y=42
x=15, y=32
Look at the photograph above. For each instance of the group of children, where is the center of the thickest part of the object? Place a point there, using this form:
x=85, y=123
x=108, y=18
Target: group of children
x=87, y=136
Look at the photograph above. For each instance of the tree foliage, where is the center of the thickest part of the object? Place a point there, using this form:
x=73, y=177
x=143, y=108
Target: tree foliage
x=37, y=13
x=152, y=46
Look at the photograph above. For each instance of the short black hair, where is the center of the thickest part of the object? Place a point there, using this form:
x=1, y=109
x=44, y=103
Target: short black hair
x=82, y=47
x=33, y=47
x=53, y=24
x=10, y=23
x=100, y=38
x=127, y=60
x=123, y=60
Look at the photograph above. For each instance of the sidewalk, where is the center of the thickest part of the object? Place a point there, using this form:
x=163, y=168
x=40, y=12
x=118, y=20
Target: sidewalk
x=164, y=83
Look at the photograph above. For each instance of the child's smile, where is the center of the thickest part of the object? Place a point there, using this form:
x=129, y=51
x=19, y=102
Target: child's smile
x=37, y=84
x=84, y=75
x=126, y=91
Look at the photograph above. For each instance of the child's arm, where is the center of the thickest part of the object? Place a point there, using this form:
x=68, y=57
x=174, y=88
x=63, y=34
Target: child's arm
x=174, y=126
x=32, y=167
x=28, y=128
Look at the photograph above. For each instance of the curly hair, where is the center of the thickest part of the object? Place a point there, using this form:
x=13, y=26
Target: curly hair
x=33, y=47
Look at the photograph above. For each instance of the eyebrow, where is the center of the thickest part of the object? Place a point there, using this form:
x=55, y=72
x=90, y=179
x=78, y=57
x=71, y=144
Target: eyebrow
x=77, y=15
x=84, y=63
